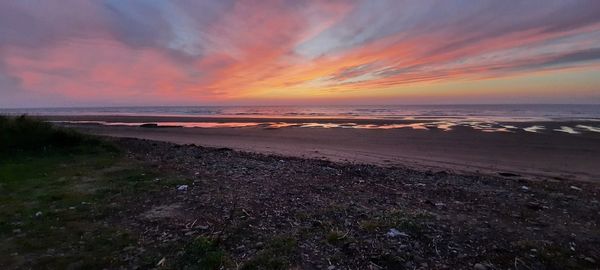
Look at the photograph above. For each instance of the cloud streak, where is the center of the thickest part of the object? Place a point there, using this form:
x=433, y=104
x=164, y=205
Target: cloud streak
x=218, y=52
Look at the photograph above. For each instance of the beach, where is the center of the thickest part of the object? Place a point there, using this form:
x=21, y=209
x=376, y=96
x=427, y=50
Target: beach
x=326, y=194
x=275, y=212
x=549, y=153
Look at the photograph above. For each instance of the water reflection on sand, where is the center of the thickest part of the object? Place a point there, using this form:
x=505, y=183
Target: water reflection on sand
x=443, y=125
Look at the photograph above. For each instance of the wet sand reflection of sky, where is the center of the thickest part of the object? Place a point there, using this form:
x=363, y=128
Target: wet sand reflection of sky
x=445, y=126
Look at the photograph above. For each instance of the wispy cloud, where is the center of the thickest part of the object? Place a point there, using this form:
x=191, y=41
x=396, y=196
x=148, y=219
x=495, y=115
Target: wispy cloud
x=186, y=52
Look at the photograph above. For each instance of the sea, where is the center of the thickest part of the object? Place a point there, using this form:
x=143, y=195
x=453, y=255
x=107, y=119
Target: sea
x=538, y=112
x=487, y=118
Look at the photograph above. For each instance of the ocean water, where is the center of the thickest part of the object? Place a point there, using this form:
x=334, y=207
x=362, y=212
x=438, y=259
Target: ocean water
x=569, y=119
x=400, y=112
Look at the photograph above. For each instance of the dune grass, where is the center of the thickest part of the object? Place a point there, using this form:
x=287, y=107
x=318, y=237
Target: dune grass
x=49, y=206
x=24, y=134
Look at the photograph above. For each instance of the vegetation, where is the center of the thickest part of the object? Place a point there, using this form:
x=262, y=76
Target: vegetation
x=23, y=134
x=54, y=187
x=47, y=211
x=201, y=253
x=59, y=188
x=277, y=254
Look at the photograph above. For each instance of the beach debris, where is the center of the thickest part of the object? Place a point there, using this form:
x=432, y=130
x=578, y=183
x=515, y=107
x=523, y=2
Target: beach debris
x=182, y=187
x=590, y=260
x=576, y=188
x=331, y=267
x=439, y=204
x=202, y=227
x=161, y=262
x=38, y=213
x=524, y=188
x=394, y=233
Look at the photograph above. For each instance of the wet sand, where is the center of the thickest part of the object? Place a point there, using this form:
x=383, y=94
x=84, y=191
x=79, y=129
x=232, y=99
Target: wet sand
x=520, y=154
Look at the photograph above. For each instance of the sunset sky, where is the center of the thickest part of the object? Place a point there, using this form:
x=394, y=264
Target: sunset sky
x=115, y=52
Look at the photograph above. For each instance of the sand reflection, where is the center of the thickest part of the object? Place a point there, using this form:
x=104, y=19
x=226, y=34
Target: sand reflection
x=443, y=125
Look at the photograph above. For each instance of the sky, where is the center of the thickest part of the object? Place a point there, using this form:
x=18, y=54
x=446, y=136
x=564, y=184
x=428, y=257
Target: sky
x=263, y=52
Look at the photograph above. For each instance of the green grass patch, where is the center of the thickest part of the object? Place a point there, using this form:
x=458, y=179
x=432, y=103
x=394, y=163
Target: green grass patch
x=202, y=254
x=23, y=134
x=48, y=211
x=335, y=237
x=50, y=208
x=279, y=253
x=410, y=223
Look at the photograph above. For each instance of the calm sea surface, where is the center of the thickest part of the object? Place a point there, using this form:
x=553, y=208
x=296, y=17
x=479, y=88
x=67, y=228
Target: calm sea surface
x=491, y=112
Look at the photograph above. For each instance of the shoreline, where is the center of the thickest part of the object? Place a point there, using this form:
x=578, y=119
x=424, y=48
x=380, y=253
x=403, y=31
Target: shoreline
x=523, y=155
x=303, y=119
x=145, y=204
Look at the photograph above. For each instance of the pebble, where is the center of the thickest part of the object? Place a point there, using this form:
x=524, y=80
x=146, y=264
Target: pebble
x=479, y=266
x=393, y=233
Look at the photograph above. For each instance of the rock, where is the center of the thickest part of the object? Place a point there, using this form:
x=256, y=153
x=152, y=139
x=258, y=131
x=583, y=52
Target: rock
x=182, y=187
x=576, y=188
x=479, y=266
x=393, y=233
x=534, y=206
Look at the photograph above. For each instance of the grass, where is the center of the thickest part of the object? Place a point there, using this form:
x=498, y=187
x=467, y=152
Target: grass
x=59, y=189
x=55, y=189
x=23, y=134
x=410, y=223
x=335, y=236
x=202, y=253
x=277, y=254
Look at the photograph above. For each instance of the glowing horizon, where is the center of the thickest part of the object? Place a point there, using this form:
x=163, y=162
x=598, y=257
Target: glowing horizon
x=107, y=53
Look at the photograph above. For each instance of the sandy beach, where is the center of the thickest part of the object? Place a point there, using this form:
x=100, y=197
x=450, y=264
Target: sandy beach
x=519, y=154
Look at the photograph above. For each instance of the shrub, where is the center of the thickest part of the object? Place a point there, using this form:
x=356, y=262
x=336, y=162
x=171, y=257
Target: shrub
x=26, y=134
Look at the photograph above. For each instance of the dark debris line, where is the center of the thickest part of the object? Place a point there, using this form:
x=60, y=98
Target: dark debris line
x=340, y=216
